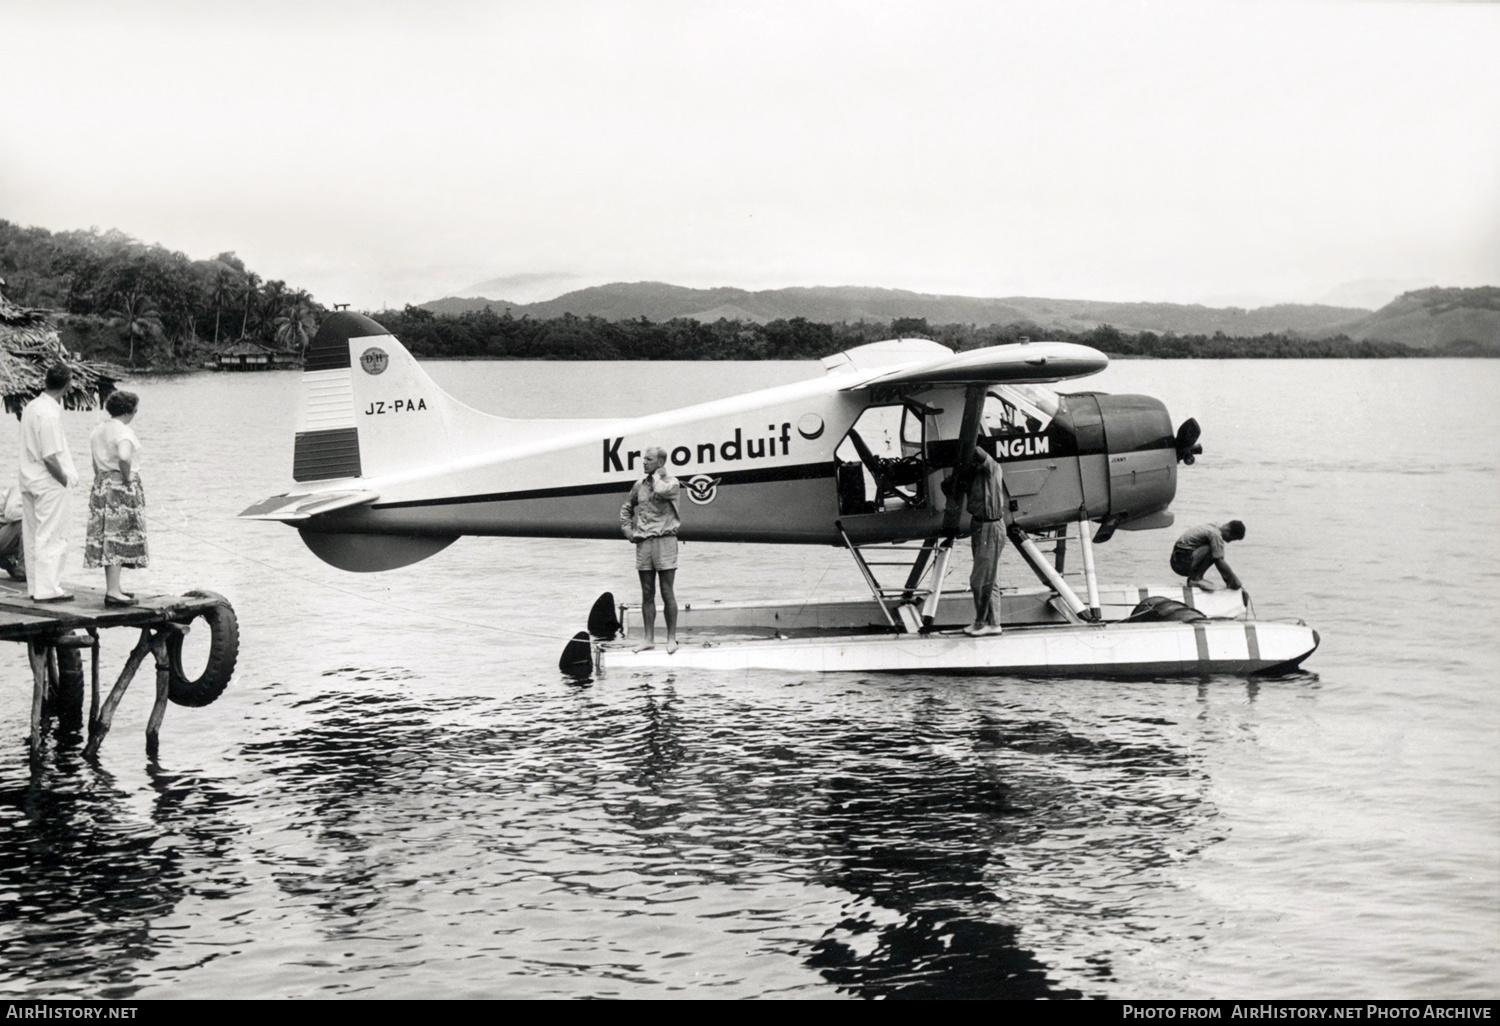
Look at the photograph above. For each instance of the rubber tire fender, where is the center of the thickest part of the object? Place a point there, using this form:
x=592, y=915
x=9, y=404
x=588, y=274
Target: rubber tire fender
x=223, y=652
x=66, y=703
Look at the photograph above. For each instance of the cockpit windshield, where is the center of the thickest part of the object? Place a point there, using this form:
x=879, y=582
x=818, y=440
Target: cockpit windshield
x=1020, y=409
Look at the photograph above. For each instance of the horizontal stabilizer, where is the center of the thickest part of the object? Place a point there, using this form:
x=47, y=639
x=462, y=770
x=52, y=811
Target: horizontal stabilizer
x=1017, y=364
x=302, y=505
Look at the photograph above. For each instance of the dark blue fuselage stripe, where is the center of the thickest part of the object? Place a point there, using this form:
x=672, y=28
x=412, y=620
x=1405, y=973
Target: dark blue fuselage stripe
x=801, y=472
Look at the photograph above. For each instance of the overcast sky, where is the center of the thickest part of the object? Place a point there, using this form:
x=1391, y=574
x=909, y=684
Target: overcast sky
x=390, y=153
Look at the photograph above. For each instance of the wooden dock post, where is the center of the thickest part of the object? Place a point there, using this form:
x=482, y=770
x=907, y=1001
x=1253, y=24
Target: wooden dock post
x=100, y=726
x=36, y=652
x=94, y=680
x=163, y=685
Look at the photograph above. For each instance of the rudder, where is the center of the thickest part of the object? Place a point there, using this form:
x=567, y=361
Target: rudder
x=368, y=408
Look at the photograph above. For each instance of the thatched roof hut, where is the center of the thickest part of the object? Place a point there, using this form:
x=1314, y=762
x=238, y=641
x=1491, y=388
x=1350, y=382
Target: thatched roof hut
x=29, y=344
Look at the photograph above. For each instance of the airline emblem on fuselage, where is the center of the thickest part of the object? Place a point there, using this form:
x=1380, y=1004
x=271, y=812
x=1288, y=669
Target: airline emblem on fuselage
x=703, y=489
x=374, y=360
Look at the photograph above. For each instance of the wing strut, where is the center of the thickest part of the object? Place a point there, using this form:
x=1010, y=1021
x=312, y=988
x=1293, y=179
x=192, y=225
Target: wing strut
x=968, y=434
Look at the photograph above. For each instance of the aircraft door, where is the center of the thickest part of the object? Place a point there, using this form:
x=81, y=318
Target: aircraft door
x=881, y=464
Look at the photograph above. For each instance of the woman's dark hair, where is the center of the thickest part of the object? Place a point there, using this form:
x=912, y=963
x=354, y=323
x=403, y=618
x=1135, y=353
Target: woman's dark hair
x=121, y=402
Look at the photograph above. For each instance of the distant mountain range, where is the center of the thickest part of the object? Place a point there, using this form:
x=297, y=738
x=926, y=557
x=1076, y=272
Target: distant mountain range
x=1427, y=318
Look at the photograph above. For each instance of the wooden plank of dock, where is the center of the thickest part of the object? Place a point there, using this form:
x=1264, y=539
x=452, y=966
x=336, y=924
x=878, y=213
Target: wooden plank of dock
x=22, y=619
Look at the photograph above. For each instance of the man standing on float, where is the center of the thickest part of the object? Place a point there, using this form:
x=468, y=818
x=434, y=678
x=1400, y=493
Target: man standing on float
x=650, y=519
x=987, y=536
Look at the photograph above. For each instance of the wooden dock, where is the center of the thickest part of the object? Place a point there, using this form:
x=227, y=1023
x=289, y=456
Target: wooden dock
x=56, y=634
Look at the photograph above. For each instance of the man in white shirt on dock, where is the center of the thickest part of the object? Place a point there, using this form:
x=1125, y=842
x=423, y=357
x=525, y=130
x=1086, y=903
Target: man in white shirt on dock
x=47, y=472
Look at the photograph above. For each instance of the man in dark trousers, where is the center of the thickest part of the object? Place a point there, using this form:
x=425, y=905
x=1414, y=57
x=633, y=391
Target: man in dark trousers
x=650, y=519
x=1202, y=547
x=986, y=503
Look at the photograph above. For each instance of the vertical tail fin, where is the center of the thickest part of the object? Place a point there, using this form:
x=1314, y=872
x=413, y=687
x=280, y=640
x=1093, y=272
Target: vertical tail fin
x=369, y=409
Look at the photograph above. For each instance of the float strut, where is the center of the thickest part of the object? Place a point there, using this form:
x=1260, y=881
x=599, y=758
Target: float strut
x=919, y=567
x=1092, y=582
x=1071, y=606
x=935, y=593
x=870, y=581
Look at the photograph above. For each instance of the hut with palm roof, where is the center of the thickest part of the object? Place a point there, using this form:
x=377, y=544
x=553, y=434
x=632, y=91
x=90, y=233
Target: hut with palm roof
x=29, y=344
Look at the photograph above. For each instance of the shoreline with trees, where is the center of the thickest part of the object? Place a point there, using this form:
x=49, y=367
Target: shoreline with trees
x=151, y=309
x=146, y=307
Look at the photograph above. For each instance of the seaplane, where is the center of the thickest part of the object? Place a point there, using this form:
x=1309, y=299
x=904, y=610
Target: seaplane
x=390, y=470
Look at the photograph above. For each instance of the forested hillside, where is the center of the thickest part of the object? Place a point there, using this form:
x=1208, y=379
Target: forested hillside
x=1438, y=318
x=660, y=302
x=141, y=304
x=486, y=334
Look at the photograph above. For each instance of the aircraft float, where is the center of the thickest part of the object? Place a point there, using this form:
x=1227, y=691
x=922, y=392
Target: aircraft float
x=389, y=470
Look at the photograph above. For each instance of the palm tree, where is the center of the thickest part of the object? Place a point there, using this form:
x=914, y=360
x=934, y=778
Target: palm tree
x=294, y=328
x=224, y=282
x=273, y=300
x=137, y=316
x=251, y=285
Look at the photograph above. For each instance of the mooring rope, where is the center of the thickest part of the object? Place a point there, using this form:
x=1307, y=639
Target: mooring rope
x=344, y=591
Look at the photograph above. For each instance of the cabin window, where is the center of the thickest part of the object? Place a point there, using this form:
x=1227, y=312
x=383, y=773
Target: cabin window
x=880, y=462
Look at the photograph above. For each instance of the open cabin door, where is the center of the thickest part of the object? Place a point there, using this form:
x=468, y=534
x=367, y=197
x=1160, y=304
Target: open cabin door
x=883, y=469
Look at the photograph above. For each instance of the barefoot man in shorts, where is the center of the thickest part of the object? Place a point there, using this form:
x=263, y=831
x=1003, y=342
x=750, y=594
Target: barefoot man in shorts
x=649, y=518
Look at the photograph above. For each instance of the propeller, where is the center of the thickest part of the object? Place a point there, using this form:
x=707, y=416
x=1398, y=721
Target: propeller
x=1187, y=441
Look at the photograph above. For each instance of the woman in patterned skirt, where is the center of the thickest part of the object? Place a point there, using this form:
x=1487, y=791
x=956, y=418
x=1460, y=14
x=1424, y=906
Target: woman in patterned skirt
x=117, y=506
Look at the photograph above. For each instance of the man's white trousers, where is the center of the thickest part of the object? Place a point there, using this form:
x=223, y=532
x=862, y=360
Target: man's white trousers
x=44, y=533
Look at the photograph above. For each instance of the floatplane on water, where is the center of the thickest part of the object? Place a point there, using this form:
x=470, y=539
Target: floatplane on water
x=390, y=470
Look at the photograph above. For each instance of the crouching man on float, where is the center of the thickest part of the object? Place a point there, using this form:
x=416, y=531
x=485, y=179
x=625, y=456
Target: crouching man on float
x=1202, y=547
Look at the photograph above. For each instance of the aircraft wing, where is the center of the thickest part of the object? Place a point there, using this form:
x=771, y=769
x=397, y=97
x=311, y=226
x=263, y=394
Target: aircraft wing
x=302, y=505
x=1019, y=363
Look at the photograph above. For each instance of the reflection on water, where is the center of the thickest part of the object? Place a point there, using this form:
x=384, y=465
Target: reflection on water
x=863, y=831
x=82, y=880
x=627, y=835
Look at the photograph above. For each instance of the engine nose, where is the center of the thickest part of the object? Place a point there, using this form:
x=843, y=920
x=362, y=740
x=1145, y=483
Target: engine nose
x=1142, y=450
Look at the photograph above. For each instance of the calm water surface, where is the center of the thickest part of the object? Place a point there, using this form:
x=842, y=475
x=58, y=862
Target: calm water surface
x=399, y=796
